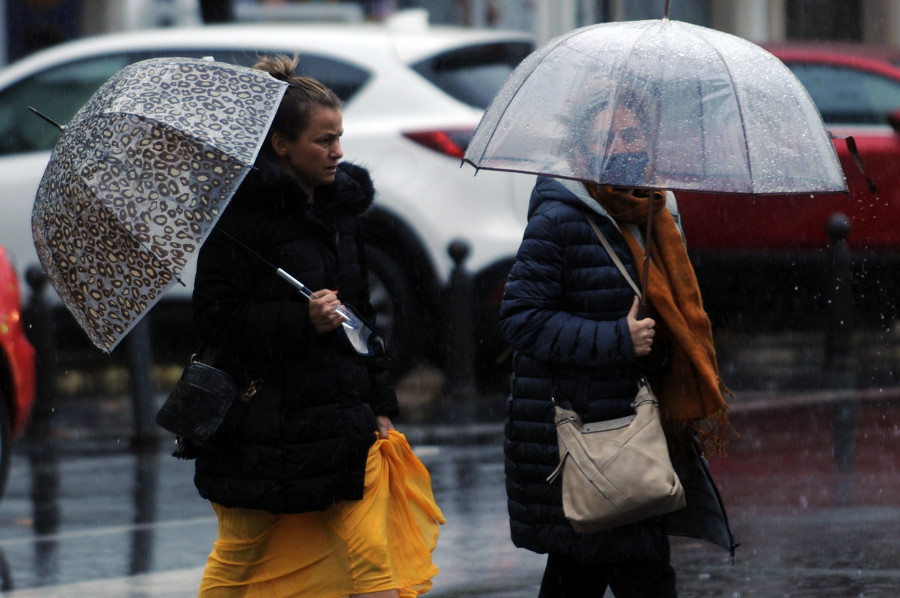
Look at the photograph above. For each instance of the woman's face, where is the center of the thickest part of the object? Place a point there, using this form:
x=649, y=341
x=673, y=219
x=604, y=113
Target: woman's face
x=623, y=129
x=314, y=155
x=619, y=147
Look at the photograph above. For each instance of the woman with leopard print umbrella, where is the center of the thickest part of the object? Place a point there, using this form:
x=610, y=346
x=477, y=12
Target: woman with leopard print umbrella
x=315, y=491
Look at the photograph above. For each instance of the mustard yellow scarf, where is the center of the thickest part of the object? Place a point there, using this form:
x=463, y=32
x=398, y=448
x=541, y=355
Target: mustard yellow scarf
x=689, y=388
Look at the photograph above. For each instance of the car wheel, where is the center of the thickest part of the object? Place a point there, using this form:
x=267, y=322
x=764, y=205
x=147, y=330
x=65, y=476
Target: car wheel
x=397, y=308
x=5, y=441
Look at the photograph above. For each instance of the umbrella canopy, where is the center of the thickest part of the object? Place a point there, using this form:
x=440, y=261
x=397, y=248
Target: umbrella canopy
x=714, y=112
x=139, y=178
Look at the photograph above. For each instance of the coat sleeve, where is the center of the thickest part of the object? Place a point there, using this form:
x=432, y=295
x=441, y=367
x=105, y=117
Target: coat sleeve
x=533, y=314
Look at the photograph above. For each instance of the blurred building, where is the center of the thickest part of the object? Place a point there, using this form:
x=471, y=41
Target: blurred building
x=28, y=25
x=874, y=21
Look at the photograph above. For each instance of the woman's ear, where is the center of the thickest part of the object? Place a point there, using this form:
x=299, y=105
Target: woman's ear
x=279, y=143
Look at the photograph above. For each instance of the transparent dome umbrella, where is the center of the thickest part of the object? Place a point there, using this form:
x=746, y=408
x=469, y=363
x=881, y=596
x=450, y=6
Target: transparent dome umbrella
x=708, y=111
x=138, y=180
x=718, y=113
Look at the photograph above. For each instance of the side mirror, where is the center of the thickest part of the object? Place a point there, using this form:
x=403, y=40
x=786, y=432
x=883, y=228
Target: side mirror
x=893, y=119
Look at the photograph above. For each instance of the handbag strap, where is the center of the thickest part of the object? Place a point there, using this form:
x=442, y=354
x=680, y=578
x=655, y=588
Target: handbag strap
x=206, y=354
x=612, y=255
x=637, y=291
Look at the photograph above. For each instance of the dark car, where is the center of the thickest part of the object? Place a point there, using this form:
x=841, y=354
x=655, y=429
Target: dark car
x=771, y=250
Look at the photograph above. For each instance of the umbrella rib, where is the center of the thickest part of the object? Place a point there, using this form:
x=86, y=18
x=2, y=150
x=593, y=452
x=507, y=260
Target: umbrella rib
x=615, y=100
x=102, y=205
x=740, y=109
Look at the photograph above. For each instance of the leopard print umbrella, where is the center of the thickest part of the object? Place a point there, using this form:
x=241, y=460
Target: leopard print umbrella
x=139, y=178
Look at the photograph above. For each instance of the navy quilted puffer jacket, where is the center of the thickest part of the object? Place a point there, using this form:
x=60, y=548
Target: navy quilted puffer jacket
x=564, y=311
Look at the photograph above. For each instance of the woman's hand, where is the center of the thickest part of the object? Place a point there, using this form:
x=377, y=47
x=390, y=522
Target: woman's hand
x=384, y=425
x=323, y=311
x=642, y=331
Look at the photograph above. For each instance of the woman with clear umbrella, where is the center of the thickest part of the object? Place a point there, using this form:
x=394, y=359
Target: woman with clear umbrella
x=575, y=324
x=315, y=492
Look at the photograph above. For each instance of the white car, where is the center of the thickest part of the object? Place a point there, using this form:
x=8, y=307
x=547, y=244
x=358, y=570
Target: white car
x=413, y=96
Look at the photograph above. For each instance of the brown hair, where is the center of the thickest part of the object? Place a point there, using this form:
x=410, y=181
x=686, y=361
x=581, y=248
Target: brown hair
x=303, y=96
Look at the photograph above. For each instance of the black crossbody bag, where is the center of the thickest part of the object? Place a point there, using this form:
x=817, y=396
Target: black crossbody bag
x=198, y=408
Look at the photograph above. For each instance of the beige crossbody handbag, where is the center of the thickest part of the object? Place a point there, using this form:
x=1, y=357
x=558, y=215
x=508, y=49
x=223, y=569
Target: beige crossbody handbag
x=615, y=472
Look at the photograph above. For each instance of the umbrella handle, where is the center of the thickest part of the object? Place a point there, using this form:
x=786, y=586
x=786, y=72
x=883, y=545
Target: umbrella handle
x=643, y=309
x=350, y=320
x=356, y=331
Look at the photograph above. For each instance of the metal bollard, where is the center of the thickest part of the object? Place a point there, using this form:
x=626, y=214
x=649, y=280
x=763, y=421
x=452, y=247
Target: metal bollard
x=459, y=304
x=140, y=370
x=840, y=358
x=839, y=353
x=40, y=328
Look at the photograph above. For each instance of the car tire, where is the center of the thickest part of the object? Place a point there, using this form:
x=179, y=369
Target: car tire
x=398, y=310
x=5, y=441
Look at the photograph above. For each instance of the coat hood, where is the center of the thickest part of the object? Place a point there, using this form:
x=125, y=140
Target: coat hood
x=564, y=190
x=352, y=186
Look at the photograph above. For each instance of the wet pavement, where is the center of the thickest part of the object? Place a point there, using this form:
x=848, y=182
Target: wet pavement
x=811, y=486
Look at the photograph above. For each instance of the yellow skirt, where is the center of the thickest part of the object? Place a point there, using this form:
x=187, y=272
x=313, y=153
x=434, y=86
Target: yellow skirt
x=381, y=542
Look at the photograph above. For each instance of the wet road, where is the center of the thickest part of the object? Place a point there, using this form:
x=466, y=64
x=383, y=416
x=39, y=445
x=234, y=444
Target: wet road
x=812, y=488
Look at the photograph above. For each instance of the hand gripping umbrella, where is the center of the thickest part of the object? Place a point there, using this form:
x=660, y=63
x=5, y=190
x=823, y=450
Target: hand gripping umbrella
x=138, y=180
x=717, y=113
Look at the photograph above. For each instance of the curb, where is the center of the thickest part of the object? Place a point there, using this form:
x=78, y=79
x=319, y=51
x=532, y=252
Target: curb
x=754, y=401
x=115, y=438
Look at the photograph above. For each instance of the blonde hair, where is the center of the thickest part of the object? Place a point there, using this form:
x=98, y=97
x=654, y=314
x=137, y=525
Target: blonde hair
x=303, y=96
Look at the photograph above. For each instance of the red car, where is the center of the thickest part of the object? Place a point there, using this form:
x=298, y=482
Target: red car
x=771, y=249
x=17, y=380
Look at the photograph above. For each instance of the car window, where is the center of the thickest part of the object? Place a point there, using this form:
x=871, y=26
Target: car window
x=342, y=78
x=473, y=74
x=847, y=96
x=59, y=92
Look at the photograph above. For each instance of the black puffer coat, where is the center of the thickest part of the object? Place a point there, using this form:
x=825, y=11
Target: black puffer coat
x=564, y=311
x=301, y=443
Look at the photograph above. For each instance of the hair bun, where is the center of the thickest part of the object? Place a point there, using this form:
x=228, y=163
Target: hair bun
x=281, y=67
